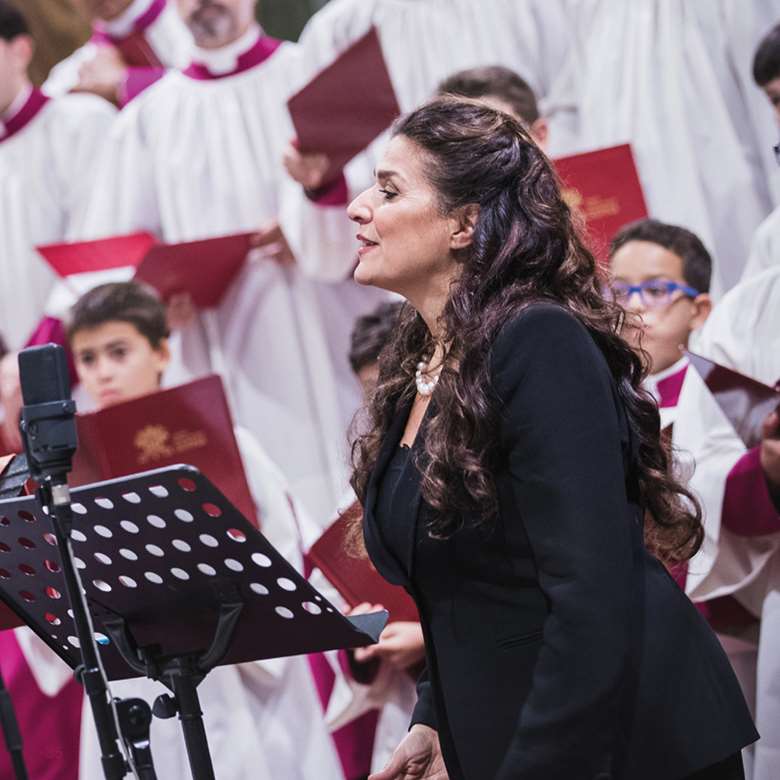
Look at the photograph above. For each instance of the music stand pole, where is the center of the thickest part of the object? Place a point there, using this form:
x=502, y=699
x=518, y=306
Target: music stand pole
x=13, y=737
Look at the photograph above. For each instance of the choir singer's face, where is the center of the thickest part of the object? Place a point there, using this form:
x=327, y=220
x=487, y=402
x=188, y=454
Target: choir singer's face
x=216, y=23
x=115, y=362
x=15, y=56
x=661, y=331
x=406, y=243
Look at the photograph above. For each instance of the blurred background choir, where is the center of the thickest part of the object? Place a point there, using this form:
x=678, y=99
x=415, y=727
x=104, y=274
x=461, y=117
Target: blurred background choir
x=170, y=116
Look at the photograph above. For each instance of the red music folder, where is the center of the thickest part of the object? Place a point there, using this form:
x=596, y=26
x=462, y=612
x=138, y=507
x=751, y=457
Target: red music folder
x=204, y=268
x=745, y=401
x=189, y=424
x=354, y=577
x=347, y=105
x=604, y=187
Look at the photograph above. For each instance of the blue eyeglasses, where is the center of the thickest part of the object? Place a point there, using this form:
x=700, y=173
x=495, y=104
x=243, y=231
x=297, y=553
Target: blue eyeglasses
x=654, y=293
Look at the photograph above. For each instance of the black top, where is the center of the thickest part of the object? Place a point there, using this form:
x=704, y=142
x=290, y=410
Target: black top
x=557, y=647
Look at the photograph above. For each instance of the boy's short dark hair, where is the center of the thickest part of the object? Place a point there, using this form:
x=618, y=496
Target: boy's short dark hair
x=370, y=334
x=494, y=81
x=12, y=22
x=696, y=260
x=124, y=302
x=766, y=60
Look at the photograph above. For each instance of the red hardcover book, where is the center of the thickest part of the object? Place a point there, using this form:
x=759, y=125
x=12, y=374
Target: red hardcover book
x=347, y=105
x=745, y=401
x=604, y=187
x=203, y=268
x=189, y=424
x=137, y=52
x=355, y=577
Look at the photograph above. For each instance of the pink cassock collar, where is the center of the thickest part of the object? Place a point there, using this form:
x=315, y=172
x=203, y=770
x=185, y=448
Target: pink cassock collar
x=259, y=53
x=24, y=115
x=142, y=23
x=669, y=388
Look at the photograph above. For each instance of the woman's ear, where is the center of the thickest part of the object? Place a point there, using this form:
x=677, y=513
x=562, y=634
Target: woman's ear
x=464, y=225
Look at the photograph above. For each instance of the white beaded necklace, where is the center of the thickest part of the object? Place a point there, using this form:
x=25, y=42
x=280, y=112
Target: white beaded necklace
x=425, y=381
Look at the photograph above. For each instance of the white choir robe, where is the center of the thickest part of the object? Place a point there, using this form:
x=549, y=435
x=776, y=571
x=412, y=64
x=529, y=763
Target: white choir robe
x=263, y=719
x=741, y=551
x=765, y=249
x=162, y=29
x=46, y=171
x=196, y=156
x=668, y=77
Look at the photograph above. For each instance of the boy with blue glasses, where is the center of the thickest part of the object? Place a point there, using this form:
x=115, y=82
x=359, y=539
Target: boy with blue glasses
x=660, y=274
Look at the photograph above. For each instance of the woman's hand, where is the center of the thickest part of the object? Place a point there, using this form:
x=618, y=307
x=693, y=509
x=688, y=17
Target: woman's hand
x=418, y=757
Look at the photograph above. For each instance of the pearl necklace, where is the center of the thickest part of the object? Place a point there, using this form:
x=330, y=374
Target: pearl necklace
x=425, y=381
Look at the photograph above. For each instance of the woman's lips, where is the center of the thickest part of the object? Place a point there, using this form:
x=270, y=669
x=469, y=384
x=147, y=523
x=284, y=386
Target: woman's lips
x=366, y=245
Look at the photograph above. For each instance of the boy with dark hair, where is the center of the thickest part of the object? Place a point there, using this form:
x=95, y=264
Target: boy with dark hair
x=503, y=89
x=661, y=274
x=263, y=718
x=369, y=336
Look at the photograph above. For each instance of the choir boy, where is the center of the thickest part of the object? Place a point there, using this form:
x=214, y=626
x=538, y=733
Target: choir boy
x=661, y=274
x=263, y=719
x=46, y=153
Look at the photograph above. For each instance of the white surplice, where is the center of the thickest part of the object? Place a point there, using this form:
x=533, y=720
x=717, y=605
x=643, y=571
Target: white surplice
x=195, y=157
x=668, y=76
x=765, y=249
x=263, y=719
x=46, y=170
x=743, y=333
x=167, y=36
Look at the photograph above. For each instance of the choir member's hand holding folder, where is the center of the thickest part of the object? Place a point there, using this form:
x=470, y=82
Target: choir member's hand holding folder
x=188, y=424
x=603, y=185
x=203, y=269
x=353, y=575
x=346, y=106
x=746, y=402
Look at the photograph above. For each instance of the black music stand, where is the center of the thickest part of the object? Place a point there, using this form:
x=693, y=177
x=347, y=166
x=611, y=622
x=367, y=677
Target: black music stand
x=177, y=582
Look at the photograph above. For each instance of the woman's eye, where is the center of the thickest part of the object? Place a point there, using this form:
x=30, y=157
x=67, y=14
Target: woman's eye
x=388, y=194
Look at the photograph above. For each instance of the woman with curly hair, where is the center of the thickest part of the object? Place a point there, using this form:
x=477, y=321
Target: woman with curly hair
x=514, y=480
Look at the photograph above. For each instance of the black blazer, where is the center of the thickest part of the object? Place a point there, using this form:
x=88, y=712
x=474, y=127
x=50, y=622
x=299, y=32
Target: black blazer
x=557, y=647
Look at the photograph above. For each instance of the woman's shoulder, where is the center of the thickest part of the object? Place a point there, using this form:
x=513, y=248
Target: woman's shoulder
x=547, y=342
x=538, y=326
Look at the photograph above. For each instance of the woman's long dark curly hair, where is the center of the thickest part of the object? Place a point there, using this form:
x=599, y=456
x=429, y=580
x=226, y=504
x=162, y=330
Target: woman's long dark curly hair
x=526, y=247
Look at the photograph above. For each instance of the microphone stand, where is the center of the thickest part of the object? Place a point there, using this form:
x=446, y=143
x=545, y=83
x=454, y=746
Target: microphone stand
x=48, y=430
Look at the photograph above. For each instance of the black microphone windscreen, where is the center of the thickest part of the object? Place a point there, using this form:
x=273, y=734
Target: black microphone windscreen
x=43, y=374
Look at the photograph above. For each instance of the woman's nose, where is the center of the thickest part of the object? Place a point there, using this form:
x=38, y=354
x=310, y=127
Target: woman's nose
x=359, y=210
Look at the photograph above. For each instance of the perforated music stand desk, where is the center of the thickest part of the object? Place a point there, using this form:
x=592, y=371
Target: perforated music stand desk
x=162, y=553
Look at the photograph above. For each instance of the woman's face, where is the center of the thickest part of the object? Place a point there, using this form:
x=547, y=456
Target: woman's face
x=406, y=244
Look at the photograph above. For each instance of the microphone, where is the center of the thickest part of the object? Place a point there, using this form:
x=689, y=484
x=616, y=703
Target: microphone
x=48, y=422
